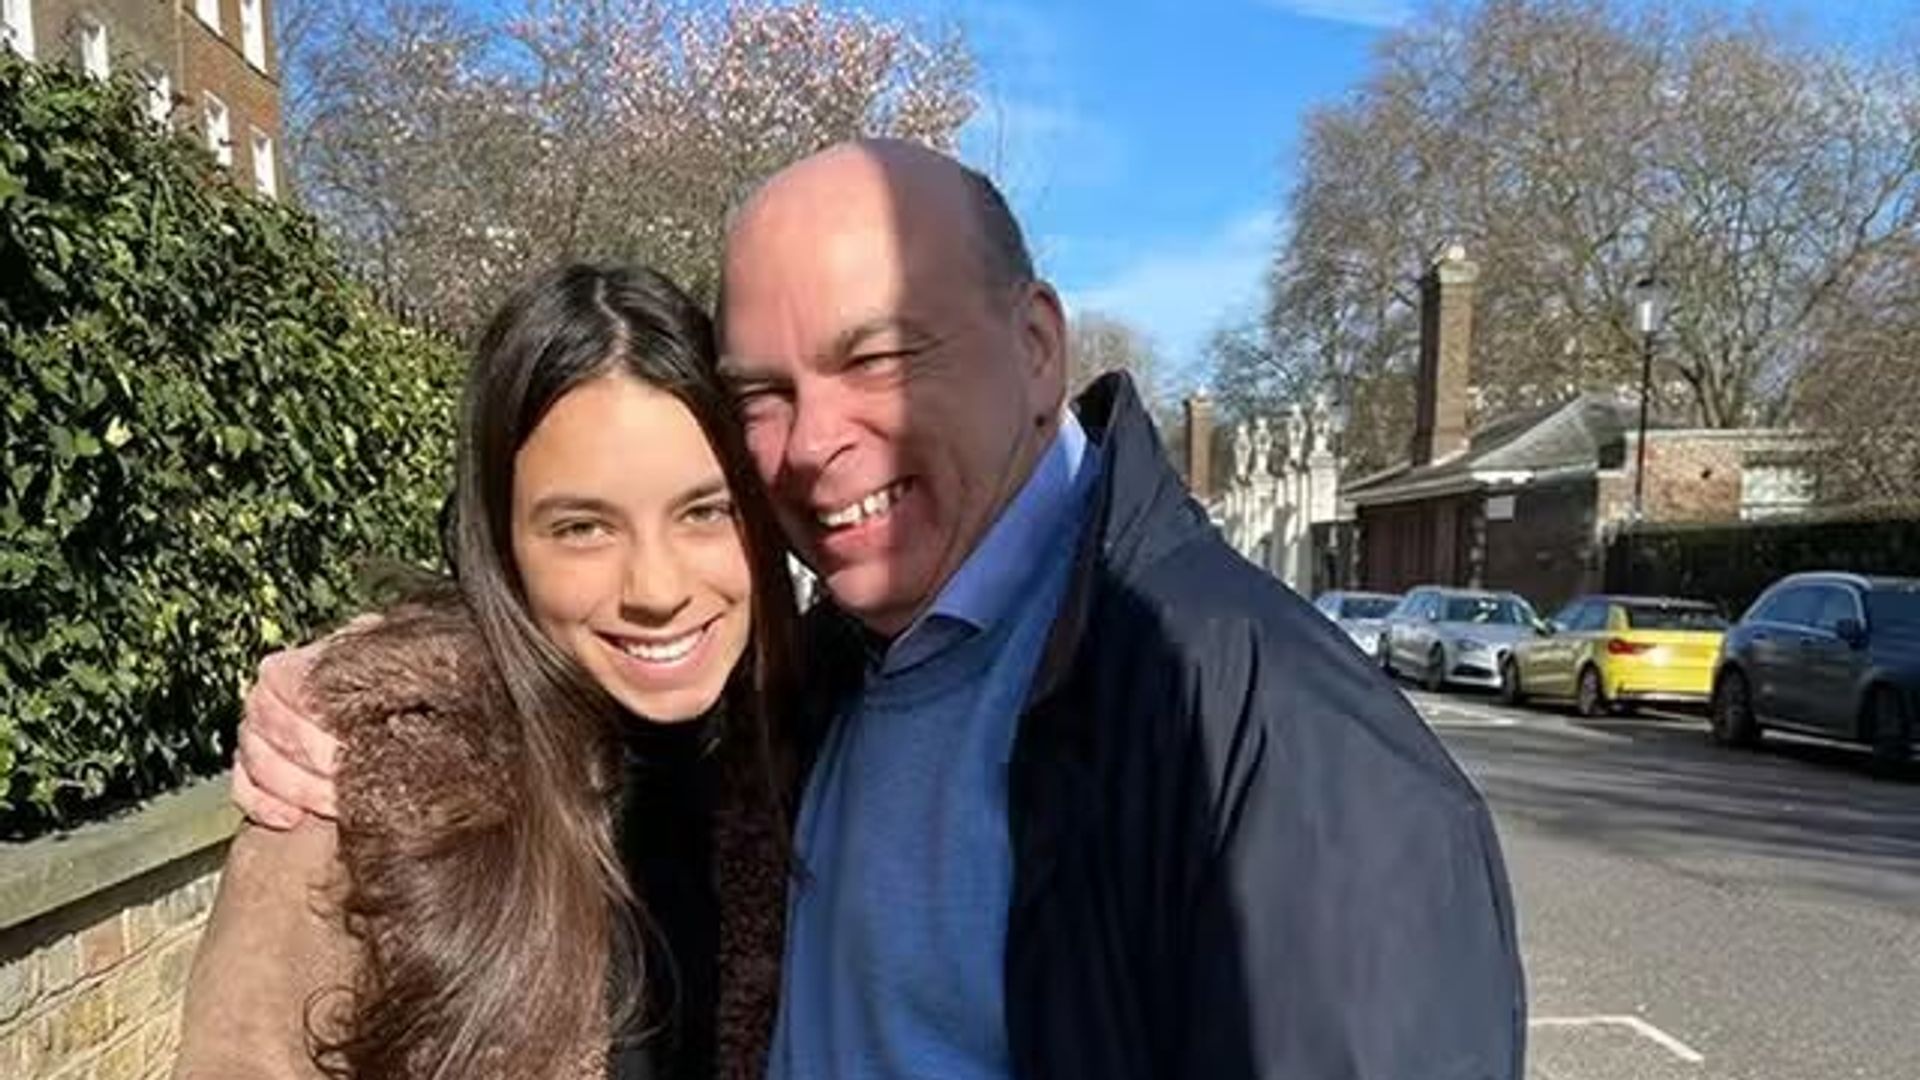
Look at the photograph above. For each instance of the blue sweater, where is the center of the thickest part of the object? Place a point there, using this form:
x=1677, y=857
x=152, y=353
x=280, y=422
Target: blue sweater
x=895, y=937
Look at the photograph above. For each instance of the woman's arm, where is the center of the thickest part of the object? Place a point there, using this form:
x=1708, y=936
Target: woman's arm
x=275, y=952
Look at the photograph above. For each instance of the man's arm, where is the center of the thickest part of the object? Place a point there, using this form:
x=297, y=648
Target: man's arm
x=284, y=759
x=1355, y=920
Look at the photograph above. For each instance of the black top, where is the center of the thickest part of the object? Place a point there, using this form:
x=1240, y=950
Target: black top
x=665, y=838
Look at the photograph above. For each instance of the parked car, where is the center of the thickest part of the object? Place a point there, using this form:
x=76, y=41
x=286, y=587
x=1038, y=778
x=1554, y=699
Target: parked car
x=1606, y=653
x=1836, y=655
x=1363, y=615
x=1454, y=636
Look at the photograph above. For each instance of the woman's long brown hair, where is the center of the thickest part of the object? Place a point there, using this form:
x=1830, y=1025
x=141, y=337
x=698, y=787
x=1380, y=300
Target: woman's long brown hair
x=487, y=952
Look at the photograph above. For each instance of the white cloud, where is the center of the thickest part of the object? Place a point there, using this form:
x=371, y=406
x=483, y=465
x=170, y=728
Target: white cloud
x=1180, y=294
x=1373, y=13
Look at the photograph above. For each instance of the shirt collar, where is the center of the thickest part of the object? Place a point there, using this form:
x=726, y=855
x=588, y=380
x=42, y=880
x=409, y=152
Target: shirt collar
x=988, y=584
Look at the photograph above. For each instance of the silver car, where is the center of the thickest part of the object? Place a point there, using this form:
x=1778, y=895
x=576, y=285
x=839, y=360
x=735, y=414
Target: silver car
x=1363, y=615
x=1454, y=637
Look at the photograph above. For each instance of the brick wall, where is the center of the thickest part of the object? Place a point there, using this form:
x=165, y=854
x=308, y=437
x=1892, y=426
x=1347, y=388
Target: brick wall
x=97, y=933
x=214, y=64
x=102, y=1001
x=199, y=60
x=1692, y=478
x=139, y=32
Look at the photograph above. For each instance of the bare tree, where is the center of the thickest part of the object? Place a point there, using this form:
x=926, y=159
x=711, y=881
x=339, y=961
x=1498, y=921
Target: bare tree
x=1575, y=146
x=1098, y=343
x=452, y=150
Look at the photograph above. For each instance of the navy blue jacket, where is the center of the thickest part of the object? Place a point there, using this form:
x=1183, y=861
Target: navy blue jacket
x=1238, y=852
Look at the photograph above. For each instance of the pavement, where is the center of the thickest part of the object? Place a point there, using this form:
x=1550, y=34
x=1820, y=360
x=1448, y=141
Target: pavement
x=1690, y=912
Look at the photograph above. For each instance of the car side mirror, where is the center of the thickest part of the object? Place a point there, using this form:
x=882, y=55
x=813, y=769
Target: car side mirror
x=1545, y=627
x=1851, y=631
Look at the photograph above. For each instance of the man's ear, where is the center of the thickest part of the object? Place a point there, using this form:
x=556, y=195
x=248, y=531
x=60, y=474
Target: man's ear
x=1043, y=338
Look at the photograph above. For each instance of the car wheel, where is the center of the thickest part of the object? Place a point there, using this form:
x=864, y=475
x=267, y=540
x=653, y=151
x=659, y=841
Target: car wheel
x=1434, y=678
x=1511, y=692
x=1591, y=699
x=1732, y=721
x=1890, y=727
x=1383, y=652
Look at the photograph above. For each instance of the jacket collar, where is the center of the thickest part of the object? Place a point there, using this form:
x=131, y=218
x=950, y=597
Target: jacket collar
x=1141, y=513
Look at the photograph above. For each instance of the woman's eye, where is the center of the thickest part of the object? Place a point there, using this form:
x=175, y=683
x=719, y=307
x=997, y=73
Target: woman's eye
x=713, y=513
x=579, y=530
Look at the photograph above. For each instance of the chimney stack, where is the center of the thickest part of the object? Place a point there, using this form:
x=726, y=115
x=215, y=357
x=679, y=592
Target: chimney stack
x=1200, y=446
x=1446, y=357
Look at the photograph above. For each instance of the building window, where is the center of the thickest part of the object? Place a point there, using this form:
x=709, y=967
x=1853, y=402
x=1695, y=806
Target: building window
x=208, y=12
x=16, y=26
x=90, y=37
x=253, y=34
x=159, y=86
x=266, y=180
x=219, y=131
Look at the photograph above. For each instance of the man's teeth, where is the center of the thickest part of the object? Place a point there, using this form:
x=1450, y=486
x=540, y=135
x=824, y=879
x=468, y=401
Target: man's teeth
x=872, y=506
x=663, y=652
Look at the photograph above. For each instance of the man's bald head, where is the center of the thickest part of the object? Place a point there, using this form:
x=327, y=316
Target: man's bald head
x=919, y=181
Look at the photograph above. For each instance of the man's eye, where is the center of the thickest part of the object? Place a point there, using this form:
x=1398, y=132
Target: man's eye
x=882, y=358
x=759, y=404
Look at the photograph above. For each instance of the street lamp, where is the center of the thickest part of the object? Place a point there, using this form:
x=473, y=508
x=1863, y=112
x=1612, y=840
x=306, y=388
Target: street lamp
x=1649, y=311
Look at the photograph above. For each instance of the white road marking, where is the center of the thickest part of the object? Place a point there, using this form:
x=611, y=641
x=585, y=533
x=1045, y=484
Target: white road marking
x=1634, y=1024
x=1469, y=720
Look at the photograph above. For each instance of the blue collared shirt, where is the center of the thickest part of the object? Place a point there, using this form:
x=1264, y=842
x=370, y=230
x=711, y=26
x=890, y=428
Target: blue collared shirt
x=988, y=583
x=896, y=934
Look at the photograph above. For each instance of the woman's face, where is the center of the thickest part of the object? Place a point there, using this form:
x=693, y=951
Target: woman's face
x=627, y=543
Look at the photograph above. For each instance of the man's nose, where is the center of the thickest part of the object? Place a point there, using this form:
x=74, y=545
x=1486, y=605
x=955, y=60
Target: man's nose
x=822, y=428
x=656, y=585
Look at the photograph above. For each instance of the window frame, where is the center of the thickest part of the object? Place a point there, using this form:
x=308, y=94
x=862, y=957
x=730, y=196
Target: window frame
x=93, y=46
x=222, y=147
x=16, y=27
x=159, y=83
x=208, y=12
x=253, y=32
x=266, y=178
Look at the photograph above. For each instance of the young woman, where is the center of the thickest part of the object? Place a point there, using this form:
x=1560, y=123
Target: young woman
x=559, y=851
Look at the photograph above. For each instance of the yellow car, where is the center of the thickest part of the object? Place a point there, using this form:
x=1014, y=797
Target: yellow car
x=1612, y=653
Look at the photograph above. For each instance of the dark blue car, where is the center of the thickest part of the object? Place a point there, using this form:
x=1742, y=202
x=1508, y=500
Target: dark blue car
x=1834, y=655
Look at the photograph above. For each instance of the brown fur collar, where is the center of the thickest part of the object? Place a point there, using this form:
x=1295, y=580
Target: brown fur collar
x=430, y=741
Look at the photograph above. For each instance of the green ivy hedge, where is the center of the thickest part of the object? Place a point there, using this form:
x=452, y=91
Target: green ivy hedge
x=206, y=430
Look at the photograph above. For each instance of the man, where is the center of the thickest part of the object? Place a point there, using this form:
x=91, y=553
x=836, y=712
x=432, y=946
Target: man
x=1090, y=795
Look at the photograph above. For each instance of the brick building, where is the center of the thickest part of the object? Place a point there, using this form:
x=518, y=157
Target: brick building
x=207, y=64
x=1528, y=500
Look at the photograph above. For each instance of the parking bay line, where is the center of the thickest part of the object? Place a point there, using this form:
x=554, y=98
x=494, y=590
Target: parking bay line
x=1634, y=1024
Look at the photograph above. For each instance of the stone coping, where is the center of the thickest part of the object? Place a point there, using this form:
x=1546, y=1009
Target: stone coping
x=47, y=874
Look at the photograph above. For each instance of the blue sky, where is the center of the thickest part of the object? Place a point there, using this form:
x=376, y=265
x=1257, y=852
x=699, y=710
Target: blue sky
x=1148, y=144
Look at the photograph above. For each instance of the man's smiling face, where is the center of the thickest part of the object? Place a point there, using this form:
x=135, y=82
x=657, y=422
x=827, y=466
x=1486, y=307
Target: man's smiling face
x=895, y=397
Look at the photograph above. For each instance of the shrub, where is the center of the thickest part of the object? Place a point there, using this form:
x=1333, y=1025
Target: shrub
x=205, y=428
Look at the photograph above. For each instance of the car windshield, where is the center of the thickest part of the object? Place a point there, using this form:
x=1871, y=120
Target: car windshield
x=1367, y=607
x=1674, y=618
x=1484, y=610
x=1894, y=607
